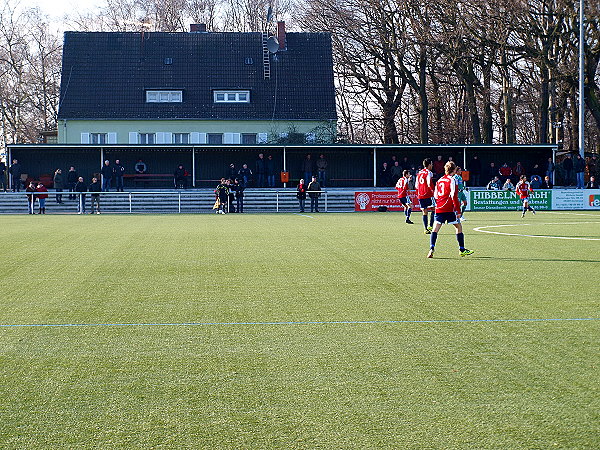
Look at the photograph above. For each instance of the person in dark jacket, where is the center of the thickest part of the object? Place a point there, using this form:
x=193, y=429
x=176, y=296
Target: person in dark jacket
x=547, y=183
x=3, y=175
x=15, y=174
x=301, y=194
x=270, y=171
x=314, y=192
x=579, y=166
x=239, y=188
x=42, y=195
x=384, y=175
x=567, y=166
x=59, y=185
x=260, y=171
x=322, y=169
x=245, y=174
x=80, y=187
x=179, y=176
x=95, y=188
x=107, y=174
x=475, y=171
x=550, y=167
x=232, y=173
x=72, y=178
x=592, y=184
x=308, y=167
x=30, y=189
x=118, y=172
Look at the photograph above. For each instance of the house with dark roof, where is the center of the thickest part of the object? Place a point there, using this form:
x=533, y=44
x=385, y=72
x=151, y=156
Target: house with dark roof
x=196, y=88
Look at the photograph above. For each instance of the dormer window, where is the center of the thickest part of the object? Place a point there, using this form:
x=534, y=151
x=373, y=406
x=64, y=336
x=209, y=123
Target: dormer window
x=164, y=96
x=232, y=96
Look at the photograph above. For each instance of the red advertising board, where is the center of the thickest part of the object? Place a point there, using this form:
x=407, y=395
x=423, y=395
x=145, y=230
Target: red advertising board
x=371, y=201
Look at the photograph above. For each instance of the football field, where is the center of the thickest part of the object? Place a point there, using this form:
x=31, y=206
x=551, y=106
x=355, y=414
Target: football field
x=299, y=331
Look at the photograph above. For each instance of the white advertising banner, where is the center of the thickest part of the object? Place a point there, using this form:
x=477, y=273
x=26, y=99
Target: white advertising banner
x=576, y=199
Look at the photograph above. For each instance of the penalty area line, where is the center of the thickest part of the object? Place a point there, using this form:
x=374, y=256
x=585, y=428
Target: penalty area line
x=337, y=322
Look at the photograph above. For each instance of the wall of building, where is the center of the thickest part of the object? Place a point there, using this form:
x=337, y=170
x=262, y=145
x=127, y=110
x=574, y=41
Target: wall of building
x=70, y=131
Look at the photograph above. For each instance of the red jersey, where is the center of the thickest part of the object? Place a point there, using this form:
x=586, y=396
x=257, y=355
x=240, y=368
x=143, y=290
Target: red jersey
x=424, y=184
x=41, y=189
x=402, y=187
x=446, y=195
x=523, y=189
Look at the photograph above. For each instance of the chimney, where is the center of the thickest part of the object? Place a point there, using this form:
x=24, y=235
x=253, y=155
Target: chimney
x=198, y=28
x=281, y=35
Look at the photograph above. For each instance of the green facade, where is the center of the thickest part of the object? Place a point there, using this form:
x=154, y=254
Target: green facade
x=296, y=132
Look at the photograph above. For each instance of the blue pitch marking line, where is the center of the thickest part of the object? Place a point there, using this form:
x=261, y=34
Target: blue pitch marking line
x=341, y=322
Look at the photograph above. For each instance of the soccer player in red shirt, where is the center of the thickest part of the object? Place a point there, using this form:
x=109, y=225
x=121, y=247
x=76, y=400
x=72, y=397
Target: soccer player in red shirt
x=523, y=188
x=424, y=187
x=447, y=209
x=402, y=188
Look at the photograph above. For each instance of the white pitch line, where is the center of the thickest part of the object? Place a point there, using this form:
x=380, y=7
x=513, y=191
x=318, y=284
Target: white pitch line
x=303, y=215
x=482, y=230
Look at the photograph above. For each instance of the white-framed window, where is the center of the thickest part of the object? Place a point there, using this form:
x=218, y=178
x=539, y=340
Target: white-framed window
x=181, y=138
x=164, y=96
x=249, y=138
x=98, y=138
x=215, y=138
x=146, y=138
x=232, y=96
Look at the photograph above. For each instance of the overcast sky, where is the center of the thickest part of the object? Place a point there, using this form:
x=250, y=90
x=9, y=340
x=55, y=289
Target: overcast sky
x=56, y=9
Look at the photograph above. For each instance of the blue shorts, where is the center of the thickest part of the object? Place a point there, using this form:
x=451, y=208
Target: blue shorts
x=404, y=200
x=447, y=217
x=425, y=203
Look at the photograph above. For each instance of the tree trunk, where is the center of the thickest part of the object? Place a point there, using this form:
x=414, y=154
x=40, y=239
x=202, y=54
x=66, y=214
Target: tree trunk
x=423, y=99
x=544, y=104
x=390, y=132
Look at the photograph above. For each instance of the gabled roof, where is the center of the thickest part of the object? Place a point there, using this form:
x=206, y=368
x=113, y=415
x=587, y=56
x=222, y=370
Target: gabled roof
x=105, y=76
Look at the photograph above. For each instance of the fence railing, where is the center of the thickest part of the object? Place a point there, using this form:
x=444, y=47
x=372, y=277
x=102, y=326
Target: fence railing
x=181, y=202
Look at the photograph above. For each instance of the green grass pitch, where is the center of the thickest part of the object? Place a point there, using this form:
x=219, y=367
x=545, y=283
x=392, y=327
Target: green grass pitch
x=286, y=331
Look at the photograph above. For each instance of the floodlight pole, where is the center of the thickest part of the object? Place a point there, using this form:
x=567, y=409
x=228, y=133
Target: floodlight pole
x=581, y=80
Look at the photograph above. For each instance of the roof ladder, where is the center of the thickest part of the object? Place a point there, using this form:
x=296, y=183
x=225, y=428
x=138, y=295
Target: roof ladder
x=266, y=59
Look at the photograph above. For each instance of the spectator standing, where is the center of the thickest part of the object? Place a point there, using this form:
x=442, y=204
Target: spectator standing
x=492, y=171
x=592, y=166
x=59, y=185
x=42, y=195
x=30, y=189
x=505, y=172
x=230, y=196
x=314, y=192
x=579, y=166
x=239, y=188
x=301, y=194
x=15, y=174
x=118, y=171
x=547, y=183
x=536, y=182
x=322, y=169
x=475, y=171
x=438, y=167
x=80, y=188
x=107, y=173
x=384, y=175
x=232, y=173
x=395, y=173
x=245, y=174
x=406, y=165
x=179, y=177
x=95, y=188
x=508, y=186
x=519, y=170
x=260, y=171
x=270, y=171
x=308, y=167
x=3, y=174
x=72, y=179
x=567, y=166
x=140, y=167
x=592, y=184
x=550, y=168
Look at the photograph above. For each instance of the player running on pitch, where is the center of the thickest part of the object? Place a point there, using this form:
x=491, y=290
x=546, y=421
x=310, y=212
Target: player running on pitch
x=462, y=198
x=447, y=209
x=402, y=188
x=523, y=188
x=424, y=187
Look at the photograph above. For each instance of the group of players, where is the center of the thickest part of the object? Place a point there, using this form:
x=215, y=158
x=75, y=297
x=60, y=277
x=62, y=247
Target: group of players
x=445, y=201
